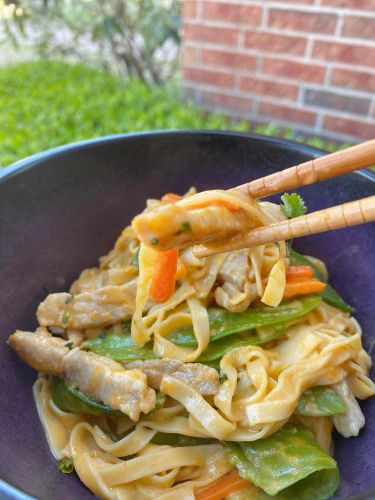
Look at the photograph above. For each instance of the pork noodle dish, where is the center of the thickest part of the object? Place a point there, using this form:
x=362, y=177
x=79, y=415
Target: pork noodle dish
x=164, y=376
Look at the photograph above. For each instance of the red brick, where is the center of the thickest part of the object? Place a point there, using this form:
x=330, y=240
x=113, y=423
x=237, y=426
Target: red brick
x=189, y=9
x=234, y=12
x=244, y=62
x=201, y=75
x=287, y=113
x=345, y=52
x=356, y=128
x=200, y=33
x=189, y=55
x=310, y=22
x=276, y=43
x=341, y=102
x=350, y=4
x=299, y=71
x=359, y=27
x=349, y=79
x=227, y=101
x=271, y=88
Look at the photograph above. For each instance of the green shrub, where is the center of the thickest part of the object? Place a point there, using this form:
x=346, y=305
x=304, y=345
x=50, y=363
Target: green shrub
x=44, y=104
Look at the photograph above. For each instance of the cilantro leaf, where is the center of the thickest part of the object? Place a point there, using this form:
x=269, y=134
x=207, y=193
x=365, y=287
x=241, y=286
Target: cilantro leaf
x=293, y=205
x=65, y=465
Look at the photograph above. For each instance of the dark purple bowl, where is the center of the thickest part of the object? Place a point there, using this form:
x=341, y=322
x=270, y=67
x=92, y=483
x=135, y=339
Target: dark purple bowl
x=61, y=210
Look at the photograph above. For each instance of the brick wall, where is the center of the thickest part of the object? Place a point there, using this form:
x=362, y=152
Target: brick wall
x=305, y=63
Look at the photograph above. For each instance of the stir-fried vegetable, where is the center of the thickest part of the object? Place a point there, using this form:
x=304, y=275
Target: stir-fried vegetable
x=296, y=287
x=216, y=350
x=66, y=465
x=119, y=346
x=224, y=323
x=72, y=400
x=164, y=276
x=177, y=440
x=224, y=486
x=288, y=464
x=320, y=401
x=298, y=272
x=329, y=295
x=293, y=205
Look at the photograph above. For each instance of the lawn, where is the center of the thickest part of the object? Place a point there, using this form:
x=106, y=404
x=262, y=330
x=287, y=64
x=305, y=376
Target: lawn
x=44, y=104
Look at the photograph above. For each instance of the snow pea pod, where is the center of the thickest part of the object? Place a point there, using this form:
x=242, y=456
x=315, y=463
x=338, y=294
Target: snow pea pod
x=119, y=346
x=320, y=401
x=224, y=323
x=72, y=400
x=178, y=440
x=289, y=464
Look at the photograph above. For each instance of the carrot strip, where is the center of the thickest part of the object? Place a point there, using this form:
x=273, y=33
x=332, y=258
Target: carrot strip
x=209, y=203
x=164, y=276
x=302, y=286
x=171, y=197
x=299, y=272
x=222, y=487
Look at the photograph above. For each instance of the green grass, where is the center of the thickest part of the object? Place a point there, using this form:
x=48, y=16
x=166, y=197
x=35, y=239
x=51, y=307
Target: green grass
x=45, y=104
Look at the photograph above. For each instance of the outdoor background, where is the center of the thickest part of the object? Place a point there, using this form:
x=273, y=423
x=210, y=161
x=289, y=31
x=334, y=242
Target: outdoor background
x=72, y=70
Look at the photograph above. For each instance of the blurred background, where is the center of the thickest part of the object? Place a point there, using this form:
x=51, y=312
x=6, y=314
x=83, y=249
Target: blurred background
x=76, y=69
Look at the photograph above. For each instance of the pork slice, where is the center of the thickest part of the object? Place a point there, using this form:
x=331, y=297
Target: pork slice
x=201, y=377
x=43, y=352
x=101, y=307
x=97, y=376
x=107, y=381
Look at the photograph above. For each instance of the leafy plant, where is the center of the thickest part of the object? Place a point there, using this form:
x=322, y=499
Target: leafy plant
x=47, y=103
x=140, y=38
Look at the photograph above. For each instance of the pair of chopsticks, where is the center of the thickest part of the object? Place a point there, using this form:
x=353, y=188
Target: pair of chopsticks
x=310, y=172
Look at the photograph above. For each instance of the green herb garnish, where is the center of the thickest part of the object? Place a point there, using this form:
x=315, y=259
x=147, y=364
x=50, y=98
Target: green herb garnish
x=65, y=316
x=69, y=299
x=293, y=205
x=223, y=377
x=66, y=465
x=186, y=227
x=70, y=345
x=154, y=241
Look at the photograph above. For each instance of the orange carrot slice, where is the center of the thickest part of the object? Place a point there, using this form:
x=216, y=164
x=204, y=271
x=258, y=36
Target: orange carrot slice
x=299, y=272
x=164, y=276
x=222, y=487
x=302, y=286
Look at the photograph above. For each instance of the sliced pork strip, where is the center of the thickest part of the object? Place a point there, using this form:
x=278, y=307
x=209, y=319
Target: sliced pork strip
x=101, y=307
x=97, y=376
x=43, y=352
x=201, y=377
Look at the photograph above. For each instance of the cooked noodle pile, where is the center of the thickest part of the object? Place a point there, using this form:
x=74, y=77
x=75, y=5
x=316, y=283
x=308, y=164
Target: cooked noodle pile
x=213, y=372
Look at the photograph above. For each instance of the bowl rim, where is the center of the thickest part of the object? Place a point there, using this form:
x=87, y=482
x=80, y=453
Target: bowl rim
x=6, y=489
x=31, y=160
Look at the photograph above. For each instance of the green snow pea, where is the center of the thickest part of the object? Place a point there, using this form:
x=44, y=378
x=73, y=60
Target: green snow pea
x=320, y=401
x=224, y=323
x=289, y=464
x=72, y=400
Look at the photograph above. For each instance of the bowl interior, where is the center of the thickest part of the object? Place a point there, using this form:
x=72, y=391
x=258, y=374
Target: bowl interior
x=61, y=210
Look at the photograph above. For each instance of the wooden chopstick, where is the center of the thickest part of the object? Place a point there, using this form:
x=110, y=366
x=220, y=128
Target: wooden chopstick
x=348, y=214
x=319, y=169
